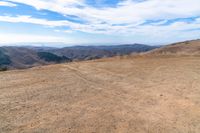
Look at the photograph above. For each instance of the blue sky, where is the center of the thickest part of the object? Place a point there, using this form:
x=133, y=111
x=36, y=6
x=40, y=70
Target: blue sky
x=95, y=22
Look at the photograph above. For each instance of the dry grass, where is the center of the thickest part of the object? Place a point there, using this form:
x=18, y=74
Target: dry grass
x=188, y=48
x=136, y=95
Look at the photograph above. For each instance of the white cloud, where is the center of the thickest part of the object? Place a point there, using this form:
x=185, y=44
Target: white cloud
x=29, y=19
x=19, y=38
x=108, y=20
x=127, y=11
x=3, y=3
x=106, y=28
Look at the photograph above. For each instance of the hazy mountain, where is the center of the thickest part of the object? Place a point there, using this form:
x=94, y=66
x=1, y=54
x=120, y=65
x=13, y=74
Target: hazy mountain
x=28, y=56
x=20, y=57
x=95, y=52
x=50, y=57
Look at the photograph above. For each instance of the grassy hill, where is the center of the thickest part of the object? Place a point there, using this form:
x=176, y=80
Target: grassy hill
x=188, y=48
x=49, y=57
x=97, y=52
x=140, y=94
x=26, y=57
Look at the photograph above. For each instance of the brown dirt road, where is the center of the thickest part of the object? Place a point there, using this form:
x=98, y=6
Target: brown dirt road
x=119, y=95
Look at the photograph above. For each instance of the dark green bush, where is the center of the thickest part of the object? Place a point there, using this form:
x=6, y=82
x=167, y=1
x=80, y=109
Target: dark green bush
x=3, y=68
x=52, y=57
x=4, y=59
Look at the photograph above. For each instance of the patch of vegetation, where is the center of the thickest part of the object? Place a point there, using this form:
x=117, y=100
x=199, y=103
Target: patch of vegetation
x=3, y=69
x=52, y=57
x=4, y=59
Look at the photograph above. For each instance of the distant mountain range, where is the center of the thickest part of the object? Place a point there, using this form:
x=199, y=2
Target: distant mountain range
x=26, y=57
x=97, y=52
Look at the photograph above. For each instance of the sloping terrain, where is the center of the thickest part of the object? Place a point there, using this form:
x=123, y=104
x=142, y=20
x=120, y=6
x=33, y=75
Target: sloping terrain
x=140, y=94
x=97, y=52
x=21, y=57
x=191, y=48
x=26, y=57
x=4, y=59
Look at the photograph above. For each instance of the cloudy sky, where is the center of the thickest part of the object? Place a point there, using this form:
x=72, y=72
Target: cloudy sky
x=99, y=21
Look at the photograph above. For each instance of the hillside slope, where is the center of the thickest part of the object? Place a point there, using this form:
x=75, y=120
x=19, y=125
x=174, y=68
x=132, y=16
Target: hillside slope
x=26, y=57
x=96, y=52
x=4, y=59
x=121, y=94
x=190, y=48
x=21, y=57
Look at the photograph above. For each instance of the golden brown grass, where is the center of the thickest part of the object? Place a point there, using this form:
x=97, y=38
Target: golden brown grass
x=120, y=95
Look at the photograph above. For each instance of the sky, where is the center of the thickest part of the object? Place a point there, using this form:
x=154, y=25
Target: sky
x=93, y=22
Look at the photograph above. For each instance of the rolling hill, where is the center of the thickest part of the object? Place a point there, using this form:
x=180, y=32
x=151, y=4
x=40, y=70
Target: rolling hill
x=187, y=48
x=96, y=52
x=26, y=57
x=142, y=94
x=21, y=57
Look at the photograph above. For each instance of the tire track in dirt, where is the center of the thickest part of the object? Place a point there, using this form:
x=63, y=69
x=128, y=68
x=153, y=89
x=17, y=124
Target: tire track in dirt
x=107, y=88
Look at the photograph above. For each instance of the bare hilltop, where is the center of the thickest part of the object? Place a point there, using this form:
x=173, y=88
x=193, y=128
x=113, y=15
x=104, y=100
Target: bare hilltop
x=153, y=92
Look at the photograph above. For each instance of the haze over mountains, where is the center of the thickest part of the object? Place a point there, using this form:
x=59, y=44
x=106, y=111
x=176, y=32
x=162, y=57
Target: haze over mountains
x=25, y=57
x=30, y=56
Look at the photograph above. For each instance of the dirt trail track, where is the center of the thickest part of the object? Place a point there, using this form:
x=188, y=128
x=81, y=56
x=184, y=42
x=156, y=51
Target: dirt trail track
x=140, y=95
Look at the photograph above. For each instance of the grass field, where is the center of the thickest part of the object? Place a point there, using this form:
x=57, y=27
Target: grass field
x=127, y=94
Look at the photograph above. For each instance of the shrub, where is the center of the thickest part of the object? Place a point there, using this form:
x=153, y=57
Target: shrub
x=3, y=68
x=52, y=57
x=4, y=59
